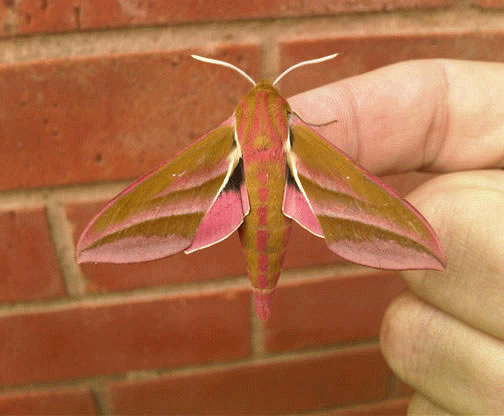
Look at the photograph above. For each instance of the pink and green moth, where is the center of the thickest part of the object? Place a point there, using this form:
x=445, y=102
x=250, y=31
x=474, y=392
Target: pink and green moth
x=256, y=172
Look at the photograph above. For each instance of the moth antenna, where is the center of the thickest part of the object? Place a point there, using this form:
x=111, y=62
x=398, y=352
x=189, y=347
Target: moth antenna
x=226, y=64
x=326, y=123
x=300, y=64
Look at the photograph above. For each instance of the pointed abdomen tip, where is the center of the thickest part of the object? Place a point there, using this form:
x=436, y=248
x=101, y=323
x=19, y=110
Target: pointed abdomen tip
x=262, y=303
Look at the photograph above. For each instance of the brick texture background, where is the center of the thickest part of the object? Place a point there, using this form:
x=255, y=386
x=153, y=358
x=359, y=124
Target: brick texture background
x=95, y=93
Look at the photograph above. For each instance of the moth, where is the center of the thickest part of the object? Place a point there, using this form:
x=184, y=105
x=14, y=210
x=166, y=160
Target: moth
x=256, y=172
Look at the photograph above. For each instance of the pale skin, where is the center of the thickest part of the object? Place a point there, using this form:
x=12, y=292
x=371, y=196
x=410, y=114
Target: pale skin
x=444, y=336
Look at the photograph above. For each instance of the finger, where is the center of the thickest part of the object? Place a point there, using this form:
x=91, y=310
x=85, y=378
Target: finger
x=466, y=209
x=455, y=366
x=420, y=405
x=438, y=115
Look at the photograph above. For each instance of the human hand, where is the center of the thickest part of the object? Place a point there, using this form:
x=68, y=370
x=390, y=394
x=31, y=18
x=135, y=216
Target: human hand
x=444, y=336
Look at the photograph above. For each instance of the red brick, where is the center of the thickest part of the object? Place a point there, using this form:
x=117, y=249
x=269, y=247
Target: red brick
x=397, y=407
x=5, y=10
x=110, y=117
x=112, y=337
x=65, y=402
x=29, y=268
x=346, y=308
x=305, y=249
x=31, y=16
x=360, y=54
x=489, y=3
x=289, y=386
x=121, y=12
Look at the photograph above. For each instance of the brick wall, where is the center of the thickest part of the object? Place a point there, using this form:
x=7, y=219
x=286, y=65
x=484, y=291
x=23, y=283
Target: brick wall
x=94, y=93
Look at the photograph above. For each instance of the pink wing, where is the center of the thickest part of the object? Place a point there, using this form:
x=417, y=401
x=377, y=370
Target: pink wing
x=192, y=201
x=361, y=219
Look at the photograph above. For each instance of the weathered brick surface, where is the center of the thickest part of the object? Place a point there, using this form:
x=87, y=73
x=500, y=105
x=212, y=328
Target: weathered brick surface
x=19, y=17
x=305, y=249
x=33, y=16
x=113, y=337
x=292, y=386
x=28, y=267
x=111, y=117
x=364, y=53
x=54, y=402
x=117, y=12
x=347, y=308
